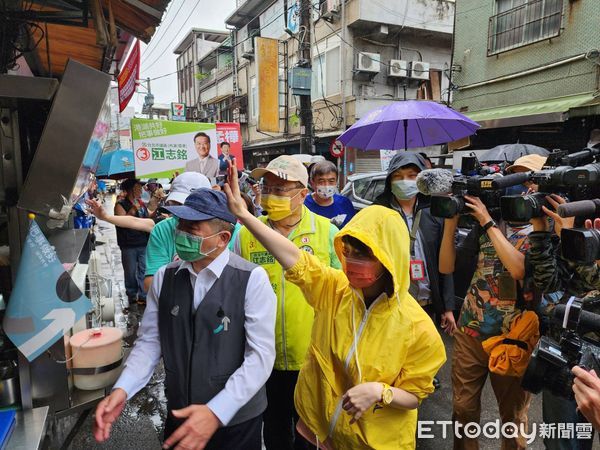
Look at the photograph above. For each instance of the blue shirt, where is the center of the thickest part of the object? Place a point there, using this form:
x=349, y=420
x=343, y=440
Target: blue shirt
x=341, y=207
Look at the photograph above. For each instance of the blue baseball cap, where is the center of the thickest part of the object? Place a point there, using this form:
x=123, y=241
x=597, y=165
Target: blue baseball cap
x=204, y=204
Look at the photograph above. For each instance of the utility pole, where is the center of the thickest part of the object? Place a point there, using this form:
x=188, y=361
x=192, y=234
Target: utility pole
x=149, y=99
x=305, y=60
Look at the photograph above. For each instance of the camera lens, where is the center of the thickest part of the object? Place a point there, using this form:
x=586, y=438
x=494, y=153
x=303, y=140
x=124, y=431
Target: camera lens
x=579, y=245
x=588, y=174
x=521, y=208
x=447, y=206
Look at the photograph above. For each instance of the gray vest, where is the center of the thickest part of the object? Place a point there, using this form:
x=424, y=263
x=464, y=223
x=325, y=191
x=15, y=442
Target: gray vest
x=198, y=353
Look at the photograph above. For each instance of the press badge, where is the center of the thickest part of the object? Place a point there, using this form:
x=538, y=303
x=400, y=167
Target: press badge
x=417, y=270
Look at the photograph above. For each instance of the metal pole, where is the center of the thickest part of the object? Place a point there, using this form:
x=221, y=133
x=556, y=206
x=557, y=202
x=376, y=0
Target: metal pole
x=150, y=115
x=305, y=59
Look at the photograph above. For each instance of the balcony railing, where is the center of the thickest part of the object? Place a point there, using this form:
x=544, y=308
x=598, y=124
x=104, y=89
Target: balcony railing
x=533, y=21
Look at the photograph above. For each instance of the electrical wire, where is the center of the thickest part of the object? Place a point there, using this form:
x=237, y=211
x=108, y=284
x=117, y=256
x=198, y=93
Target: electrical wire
x=148, y=49
x=191, y=14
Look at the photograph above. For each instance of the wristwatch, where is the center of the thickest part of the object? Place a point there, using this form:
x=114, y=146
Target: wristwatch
x=489, y=225
x=387, y=395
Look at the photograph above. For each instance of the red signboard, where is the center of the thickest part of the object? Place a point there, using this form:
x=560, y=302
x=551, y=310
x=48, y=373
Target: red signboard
x=128, y=76
x=230, y=133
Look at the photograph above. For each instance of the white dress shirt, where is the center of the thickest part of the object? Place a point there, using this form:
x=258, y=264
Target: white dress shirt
x=260, y=310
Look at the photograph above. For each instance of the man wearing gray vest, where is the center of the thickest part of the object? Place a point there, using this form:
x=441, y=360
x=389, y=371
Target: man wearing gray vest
x=211, y=316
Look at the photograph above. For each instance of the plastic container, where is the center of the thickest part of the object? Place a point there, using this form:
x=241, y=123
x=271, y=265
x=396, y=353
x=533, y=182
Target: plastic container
x=97, y=357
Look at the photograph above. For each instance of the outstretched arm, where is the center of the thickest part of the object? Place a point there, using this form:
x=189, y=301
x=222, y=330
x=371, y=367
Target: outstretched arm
x=123, y=221
x=279, y=246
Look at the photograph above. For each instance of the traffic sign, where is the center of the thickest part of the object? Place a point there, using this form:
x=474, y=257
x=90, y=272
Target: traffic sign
x=337, y=149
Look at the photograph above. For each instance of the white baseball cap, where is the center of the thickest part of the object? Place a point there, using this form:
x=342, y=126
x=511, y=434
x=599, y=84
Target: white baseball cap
x=185, y=184
x=285, y=167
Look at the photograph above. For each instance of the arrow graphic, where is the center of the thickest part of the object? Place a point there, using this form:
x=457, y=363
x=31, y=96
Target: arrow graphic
x=62, y=319
x=225, y=323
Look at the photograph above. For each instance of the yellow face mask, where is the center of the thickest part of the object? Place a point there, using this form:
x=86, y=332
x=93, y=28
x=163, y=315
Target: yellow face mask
x=278, y=208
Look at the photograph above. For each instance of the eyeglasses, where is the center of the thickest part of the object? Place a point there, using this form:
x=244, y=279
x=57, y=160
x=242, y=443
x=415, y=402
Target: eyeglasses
x=277, y=190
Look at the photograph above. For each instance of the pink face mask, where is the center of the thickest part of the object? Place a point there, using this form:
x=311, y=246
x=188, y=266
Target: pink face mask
x=362, y=273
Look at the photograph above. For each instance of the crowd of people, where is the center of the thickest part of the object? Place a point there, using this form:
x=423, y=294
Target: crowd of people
x=283, y=317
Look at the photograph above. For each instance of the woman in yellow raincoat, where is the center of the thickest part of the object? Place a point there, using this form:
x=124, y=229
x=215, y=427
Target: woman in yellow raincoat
x=373, y=350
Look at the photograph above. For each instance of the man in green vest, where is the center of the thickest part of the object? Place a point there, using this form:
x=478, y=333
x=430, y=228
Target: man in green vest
x=284, y=188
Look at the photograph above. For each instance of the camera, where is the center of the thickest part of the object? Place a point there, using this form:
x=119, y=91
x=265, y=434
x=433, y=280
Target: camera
x=484, y=182
x=580, y=245
x=574, y=176
x=551, y=361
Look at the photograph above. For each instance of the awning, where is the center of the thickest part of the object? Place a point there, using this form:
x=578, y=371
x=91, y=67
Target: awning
x=217, y=99
x=543, y=111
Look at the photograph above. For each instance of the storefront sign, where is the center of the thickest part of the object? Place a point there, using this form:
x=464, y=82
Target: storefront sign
x=267, y=56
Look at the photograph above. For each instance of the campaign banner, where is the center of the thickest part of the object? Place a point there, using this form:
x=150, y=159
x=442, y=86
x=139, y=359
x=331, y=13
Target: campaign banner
x=128, y=76
x=229, y=139
x=164, y=148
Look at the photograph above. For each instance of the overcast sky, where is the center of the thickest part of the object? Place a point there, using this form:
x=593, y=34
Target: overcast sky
x=158, y=57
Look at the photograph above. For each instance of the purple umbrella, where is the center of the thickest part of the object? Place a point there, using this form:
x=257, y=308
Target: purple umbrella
x=408, y=124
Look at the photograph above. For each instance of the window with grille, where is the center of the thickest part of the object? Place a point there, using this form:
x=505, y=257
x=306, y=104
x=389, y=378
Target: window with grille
x=521, y=22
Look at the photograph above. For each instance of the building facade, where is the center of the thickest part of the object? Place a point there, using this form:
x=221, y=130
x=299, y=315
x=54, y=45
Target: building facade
x=528, y=70
x=365, y=53
x=191, y=50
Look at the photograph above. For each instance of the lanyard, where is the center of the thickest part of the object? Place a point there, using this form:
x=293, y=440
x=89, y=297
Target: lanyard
x=413, y=231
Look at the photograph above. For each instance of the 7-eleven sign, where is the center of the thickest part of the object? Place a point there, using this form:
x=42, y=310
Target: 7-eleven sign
x=178, y=111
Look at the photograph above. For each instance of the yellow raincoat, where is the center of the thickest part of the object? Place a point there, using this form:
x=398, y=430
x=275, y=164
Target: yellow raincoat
x=397, y=342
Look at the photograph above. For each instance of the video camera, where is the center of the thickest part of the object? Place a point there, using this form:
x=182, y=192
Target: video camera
x=580, y=245
x=573, y=176
x=485, y=182
x=551, y=362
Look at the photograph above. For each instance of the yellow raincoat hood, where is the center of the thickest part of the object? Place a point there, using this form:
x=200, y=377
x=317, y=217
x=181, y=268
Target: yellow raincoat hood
x=397, y=342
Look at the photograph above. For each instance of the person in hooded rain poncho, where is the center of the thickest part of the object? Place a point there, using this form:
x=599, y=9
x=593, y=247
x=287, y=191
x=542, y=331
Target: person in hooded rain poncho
x=373, y=350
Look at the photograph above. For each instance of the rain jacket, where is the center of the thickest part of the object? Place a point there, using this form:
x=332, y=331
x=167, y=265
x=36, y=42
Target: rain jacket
x=397, y=342
x=510, y=352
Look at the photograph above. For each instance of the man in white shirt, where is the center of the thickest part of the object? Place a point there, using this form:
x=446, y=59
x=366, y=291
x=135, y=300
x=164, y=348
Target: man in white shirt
x=205, y=164
x=211, y=316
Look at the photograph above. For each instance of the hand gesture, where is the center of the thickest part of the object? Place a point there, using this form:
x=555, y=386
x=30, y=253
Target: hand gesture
x=589, y=225
x=559, y=222
x=235, y=202
x=448, y=323
x=97, y=209
x=478, y=209
x=586, y=387
x=200, y=425
x=107, y=412
x=360, y=398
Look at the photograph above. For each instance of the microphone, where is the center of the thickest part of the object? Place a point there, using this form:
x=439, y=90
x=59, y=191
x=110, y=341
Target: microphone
x=580, y=208
x=588, y=321
x=435, y=181
x=510, y=180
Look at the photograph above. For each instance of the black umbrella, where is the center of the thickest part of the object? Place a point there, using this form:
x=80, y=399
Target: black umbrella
x=511, y=152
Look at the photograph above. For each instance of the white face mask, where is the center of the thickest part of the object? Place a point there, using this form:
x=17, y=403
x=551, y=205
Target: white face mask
x=326, y=192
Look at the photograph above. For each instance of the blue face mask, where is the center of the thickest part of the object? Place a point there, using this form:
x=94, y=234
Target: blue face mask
x=404, y=189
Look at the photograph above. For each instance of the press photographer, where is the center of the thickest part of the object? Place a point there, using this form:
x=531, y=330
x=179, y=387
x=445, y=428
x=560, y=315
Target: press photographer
x=552, y=273
x=495, y=309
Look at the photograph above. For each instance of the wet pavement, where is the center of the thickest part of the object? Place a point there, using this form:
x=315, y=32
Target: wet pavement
x=140, y=424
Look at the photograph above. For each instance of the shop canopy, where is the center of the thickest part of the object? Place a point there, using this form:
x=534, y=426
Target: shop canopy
x=544, y=111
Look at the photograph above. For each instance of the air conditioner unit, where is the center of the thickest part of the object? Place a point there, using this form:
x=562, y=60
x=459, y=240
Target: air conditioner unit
x=368, y=62
x=330, y=9
x=248, y=48
x=398, y=68
x=419, y=70
x=203, y=114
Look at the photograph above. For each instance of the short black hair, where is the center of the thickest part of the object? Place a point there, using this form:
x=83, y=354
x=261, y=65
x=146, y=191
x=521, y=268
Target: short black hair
x=225, y=143
x=202, y=134
x=361, y=248
x=128, y=184
x=321, y=168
